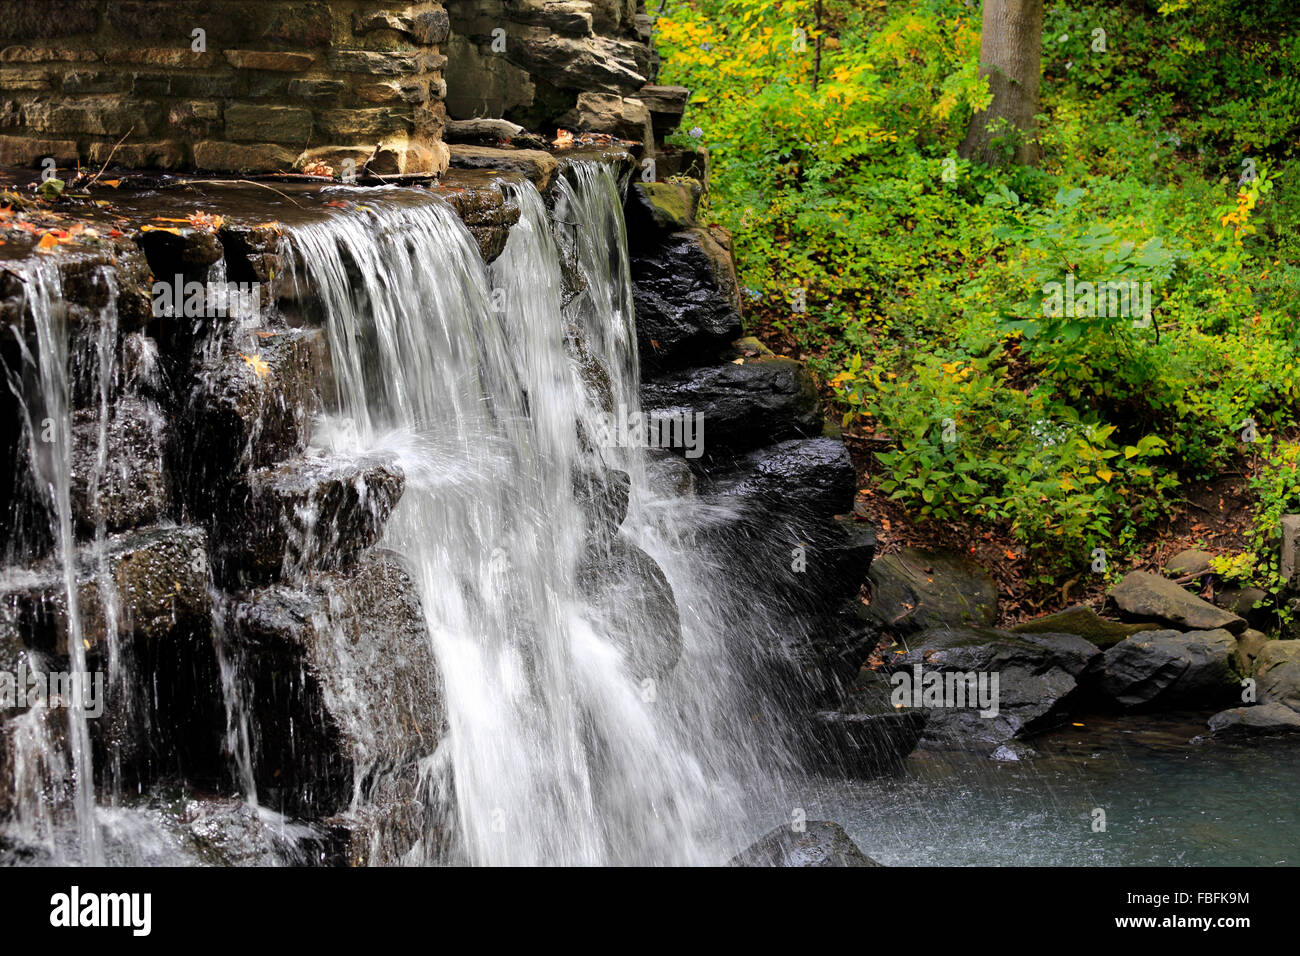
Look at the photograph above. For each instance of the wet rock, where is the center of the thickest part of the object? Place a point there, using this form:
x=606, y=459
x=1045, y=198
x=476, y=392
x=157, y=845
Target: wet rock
x=686, y=298
x=340, y=681
x=670, y=473
x=1144, y=596
x=311, y=513
x=1170, y=668
x=1086, y=623
x=868, y=735
x=228, y=832
x=129, y=489
x=656, y=208
x=1277, y=670
x=157, y=587
x=1261, y=720
x=536, y=165
x=391, y=825
x=251, y=408
x=744, y=406
x=486, y=212
x=821, y=843
x=186, y=251
x=914, y=590
x=809, y=475
x=603, y=497
x=632, y=602
x=1013, y=751
x=1040, y=679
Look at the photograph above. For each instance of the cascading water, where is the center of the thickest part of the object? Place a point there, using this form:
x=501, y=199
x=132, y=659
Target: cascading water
x=573, y=737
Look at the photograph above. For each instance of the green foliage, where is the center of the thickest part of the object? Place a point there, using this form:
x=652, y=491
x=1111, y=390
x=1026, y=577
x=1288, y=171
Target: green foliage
x=935, y=288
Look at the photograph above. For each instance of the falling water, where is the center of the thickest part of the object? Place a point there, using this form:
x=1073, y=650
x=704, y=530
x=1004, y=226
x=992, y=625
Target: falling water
x=43, y=389
x=564, y=746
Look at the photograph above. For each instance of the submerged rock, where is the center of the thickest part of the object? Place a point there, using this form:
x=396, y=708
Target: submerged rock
x=1168, y=668
x=821, y=843
x=1260, y=720
x=1151, y=597
x=913, y=590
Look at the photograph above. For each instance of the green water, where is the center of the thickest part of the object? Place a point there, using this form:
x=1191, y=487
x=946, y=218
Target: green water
x=1168, y=801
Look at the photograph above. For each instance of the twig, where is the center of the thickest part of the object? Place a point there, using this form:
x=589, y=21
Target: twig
x=243, y=182
x=112, y=153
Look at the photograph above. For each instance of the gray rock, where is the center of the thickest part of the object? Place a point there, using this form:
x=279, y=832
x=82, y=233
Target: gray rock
x=1170, y=668
x=913, y=590
x=820, y=844
x=1261, y=720
x=536, y=165
x=1086, y=623
x=1151, y=597
x=1277, y=670
x=1191, y=561
x=603, y=496
x=1251, y=603
x=1249, y=643
x=1013, y=751
x=1290, y=562
x=1041, y=677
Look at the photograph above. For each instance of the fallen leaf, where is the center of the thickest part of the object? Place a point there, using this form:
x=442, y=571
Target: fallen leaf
x=256, y=363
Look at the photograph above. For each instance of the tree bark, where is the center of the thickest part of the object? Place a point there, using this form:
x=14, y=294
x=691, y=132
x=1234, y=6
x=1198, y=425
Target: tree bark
x=1011, y=44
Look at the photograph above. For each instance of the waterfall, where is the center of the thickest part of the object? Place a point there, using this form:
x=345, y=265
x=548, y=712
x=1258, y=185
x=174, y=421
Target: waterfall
x=43, y=389
x=573, y=736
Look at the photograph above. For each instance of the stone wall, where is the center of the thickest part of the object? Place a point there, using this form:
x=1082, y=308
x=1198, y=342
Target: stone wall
x=580, y=64
x=222, y=84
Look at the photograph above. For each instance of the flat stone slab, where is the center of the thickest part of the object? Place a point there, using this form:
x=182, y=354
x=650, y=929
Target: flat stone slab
x=1152, y=597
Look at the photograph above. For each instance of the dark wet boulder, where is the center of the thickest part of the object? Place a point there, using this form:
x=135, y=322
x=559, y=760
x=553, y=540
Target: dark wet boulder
x=913, y=590
x=1277, y=670
x=185, y=251
x=632, y=602
x=981, y=686
x=654, y=210
x=309, y=513
x=816, y=843
x=251, y=408
x=867, y=735
x=1086, y=623
x=686, y=297
x=157, y=587
x=1260, y=720
x=1150, y=597
x=603, y=497
x=128, y=488
x=1171, y=668
x=340, y=682
x=743, y=406
x=670, y=473
x=808, y=475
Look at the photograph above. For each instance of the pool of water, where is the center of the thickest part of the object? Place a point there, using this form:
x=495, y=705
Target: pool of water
x=1168, y=800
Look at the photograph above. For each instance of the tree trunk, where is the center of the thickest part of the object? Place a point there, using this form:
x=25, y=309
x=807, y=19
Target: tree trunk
x=1011, y=43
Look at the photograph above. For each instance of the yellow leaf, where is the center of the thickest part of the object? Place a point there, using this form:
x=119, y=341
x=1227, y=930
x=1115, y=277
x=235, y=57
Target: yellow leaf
x=1105, y=474
x=256, y=363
